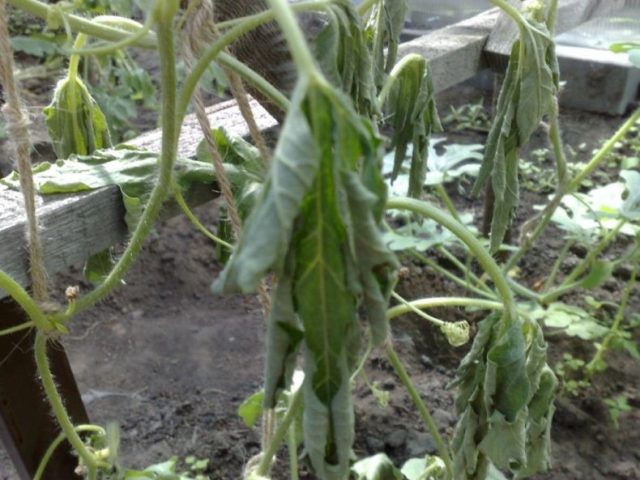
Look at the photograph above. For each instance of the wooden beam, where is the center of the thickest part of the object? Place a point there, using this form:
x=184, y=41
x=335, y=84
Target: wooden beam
x=77, y=226
x=571, y=13
x=455, y=53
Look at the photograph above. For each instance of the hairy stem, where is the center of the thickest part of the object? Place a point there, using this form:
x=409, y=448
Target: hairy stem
x=55, y=401
x=443, y=451
x=22, y=298
x=280, y=433
x=80, y=24
x=166, y=161
x=56, y=443
x=434, y=302
x=177, y=194
x=474, y=245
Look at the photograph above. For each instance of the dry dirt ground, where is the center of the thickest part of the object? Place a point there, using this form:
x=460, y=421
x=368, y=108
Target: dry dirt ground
x=171, y=362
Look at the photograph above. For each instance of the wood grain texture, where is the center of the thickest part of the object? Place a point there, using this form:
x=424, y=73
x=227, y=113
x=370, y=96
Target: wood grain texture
x=571, y=13
x=77, y=226
x=455, y=53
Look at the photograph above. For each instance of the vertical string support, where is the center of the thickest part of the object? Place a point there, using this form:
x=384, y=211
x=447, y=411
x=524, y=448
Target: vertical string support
x=18, y=126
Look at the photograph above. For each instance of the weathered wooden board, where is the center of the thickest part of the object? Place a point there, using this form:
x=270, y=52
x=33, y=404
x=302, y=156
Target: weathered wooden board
x=455, y=53
x=76, y=226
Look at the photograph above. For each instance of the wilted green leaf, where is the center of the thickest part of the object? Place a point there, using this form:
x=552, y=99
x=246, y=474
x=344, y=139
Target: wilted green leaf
x=411, y=111
x=98, y=267
x=504, y=401
x=527, y=94
x=376, y=467
x=600, y=271
x=342, y=51
x=321, y=204
x=383, y=29
x=251, y=409
x=575, y=321
x=134, y=171
x=75, y=122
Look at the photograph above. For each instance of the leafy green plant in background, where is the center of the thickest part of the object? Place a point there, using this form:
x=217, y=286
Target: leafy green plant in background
x=470, y=116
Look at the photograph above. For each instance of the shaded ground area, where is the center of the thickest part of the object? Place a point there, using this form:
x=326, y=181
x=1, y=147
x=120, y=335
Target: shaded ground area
x=171, y=362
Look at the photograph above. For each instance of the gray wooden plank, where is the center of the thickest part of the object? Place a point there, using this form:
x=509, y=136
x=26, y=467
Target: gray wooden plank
x=571, y=13
x=77, y=226
x=455, y=53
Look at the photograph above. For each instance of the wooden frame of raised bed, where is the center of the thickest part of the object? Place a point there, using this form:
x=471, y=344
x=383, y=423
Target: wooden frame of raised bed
x=76, y=226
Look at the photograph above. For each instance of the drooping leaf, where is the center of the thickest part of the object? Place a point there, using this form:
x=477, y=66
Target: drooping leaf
x=284, y=335
x=98, y=266
x=527, y=95
x=75, y=122
x=376, y=467
x=376, y=264
x=342, y=51
x=268, y=229
x=504, y=402
x=384, y=27
x=412, y=114
x=251, y=409
x=318, y=203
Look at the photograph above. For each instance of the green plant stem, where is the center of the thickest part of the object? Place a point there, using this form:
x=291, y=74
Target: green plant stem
x=255, y=79
x=394, y=74
x=447, y=274
x=604, y=151
x=292, y=447
x=55, y=401
x=565, y=186
x=56, y=443
x=484, y=258
x=215, y=51
x=140, y=32
x=397, y=365
x=17, y=328
x=279, y=434
x=604, y=346
x=444, y=197
x=22, y=298
x=544, y=217
x=195, y=221
x=558, y=264
x=363, y=359
x=80, y=24
x=434, y=302
x=298, y=47
x=166, y=161
x=430, y=318
x=570, y=281
x=464, y=269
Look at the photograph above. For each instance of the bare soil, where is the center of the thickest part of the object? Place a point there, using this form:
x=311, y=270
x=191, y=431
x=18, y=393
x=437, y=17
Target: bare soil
x=171, y=362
